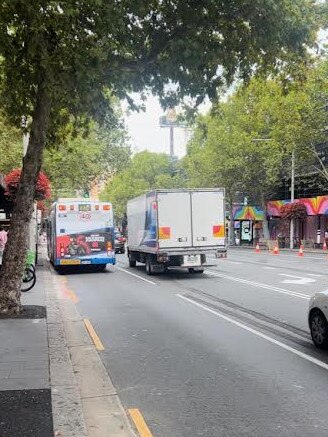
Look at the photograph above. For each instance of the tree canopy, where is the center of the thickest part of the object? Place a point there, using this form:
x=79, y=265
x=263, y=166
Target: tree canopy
x=80, y=161
x=147, y=171
x=78, y=49
x=11, y=145
x=245, y=143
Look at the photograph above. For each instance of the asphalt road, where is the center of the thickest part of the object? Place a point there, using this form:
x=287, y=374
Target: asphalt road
x=222, y=354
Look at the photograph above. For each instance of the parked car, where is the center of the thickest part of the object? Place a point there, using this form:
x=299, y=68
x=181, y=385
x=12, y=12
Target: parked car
x=120, y=231
x=318, y=316
x=119, y=243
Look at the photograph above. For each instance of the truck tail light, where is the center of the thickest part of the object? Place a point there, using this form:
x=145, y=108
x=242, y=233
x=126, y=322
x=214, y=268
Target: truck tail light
x=163, y=258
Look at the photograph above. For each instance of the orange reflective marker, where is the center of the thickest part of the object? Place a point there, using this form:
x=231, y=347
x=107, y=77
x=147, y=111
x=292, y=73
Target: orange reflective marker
x=218, y=231
x=164, y=233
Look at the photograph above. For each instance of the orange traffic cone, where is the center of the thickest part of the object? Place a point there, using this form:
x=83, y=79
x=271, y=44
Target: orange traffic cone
x=324, y=246
x=300, y=252
x=257, y=248
x=276, y=250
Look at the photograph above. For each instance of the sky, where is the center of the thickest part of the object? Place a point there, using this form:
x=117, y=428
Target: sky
x=146, y=134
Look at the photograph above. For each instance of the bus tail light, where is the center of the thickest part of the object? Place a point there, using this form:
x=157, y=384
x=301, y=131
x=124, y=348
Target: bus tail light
x=109, y=246
x=106, y=207
x=62, y=207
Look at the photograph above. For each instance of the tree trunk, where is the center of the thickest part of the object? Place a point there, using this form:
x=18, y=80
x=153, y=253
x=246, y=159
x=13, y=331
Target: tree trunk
x=13, y=262
x=266, y=233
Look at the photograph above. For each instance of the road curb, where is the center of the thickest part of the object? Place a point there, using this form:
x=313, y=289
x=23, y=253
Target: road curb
x=284, y=250
x=85, y=402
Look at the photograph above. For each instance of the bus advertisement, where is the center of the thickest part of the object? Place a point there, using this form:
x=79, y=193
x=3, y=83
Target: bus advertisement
x=81, y=232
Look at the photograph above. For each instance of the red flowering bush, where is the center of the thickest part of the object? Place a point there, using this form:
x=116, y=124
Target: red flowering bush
x=292, y=211
x=42, y=189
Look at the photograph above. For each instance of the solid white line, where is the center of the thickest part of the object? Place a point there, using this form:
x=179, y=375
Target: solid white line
x=136, y=276
x=270, y=268
x=257, y=284
x=314, y=275
x=259, y=334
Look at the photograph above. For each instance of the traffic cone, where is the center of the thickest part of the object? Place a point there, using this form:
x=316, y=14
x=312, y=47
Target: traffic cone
x=324, y=246
x=300, y=252
x=257, y=248
x=276, y=249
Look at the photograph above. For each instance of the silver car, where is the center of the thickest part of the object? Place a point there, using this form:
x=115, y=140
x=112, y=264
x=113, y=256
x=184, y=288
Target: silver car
x=318, y=316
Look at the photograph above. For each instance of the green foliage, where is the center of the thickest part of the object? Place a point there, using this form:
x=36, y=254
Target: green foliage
x=11, y=146
x=84, y=50
x=81, y=161
x=147, y=171
x=245, y=144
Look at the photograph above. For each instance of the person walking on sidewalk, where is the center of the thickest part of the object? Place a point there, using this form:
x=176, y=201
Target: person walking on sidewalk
x=3, y=241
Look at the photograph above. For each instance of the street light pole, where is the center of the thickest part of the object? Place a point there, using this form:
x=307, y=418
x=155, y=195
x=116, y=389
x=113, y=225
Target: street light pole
x=292, y=198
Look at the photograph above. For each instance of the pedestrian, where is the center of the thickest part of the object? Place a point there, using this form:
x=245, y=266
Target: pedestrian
x=3, y=241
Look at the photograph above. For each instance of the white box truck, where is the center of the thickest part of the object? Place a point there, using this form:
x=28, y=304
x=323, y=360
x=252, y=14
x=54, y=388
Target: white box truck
x=176, y=228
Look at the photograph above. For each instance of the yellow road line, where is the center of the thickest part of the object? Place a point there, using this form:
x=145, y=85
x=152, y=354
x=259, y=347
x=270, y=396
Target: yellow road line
x=140, y=423
x=93, y=335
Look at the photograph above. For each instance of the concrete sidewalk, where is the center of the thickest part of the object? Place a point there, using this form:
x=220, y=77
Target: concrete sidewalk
x=51, y=375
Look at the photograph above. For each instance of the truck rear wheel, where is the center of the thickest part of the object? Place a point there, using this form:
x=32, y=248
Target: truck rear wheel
x=148, y=266
x=132, y=261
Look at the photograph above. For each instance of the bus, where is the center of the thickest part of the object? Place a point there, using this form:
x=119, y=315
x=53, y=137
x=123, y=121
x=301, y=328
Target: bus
x=81, y=233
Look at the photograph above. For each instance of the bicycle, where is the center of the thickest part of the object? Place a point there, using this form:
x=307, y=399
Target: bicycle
x=29, y=276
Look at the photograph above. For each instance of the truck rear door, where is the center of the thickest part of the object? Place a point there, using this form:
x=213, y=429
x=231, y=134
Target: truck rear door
x=208, y=218
x=174, y=220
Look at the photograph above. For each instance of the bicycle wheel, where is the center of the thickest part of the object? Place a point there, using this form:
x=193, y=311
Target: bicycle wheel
x=29, y=272
x=29, y=280
x=31, y=266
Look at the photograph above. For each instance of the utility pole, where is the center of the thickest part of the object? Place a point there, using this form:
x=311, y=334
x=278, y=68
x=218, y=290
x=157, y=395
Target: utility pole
x=292, y=198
